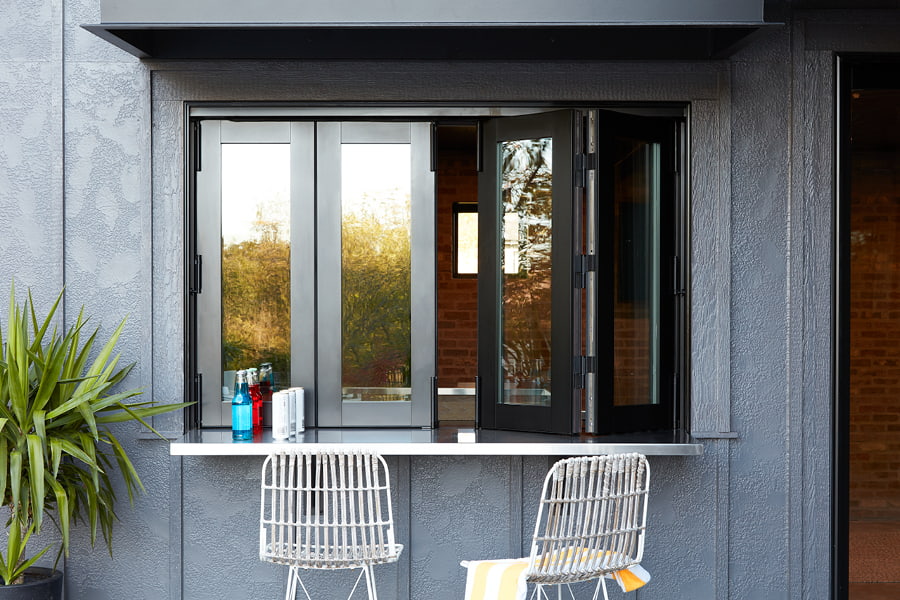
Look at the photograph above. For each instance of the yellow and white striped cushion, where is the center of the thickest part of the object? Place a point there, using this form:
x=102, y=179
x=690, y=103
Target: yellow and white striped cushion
x=506, y=579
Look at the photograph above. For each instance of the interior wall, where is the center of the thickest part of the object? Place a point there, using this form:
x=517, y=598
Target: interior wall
x=457, y=298
x=874, y=331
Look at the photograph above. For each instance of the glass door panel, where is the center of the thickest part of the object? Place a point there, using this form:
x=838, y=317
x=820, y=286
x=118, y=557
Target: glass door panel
x=375, y=272
x=526, y=263
x=525, y=274
x=636, y=175
x=247, y=183
x=256, y=255
x=636, y=301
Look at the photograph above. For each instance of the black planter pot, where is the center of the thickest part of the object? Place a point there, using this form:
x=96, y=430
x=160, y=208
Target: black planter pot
x=40, y=584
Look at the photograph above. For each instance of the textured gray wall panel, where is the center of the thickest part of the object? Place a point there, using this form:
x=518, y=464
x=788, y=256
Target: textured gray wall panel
x=811, y=280
x=221, y=532
x=445, y=532
x=433, y=81
x=108, y=261
x=31, y=206
x=710, y=266
x=168, y=259
x=83, y=46
x=30, y=31
x=759, y=475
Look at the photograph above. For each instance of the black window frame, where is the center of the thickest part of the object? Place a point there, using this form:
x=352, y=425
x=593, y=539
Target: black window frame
x=678, y=408
x=573, y=364
x=460, y=208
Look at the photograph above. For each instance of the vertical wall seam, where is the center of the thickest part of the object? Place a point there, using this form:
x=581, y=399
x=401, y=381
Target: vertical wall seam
x=723, y=310
x=176, y=527
x=794, y=315
x=723, y=353
x=515, y=506
x=404, y=494
x=62, y=200
x=62, y=143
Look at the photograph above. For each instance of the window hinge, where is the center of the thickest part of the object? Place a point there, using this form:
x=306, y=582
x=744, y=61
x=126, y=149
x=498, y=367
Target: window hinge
x=584, y=162
x=584, y=264
x=677, y=154
x=198, y=387
x=582, y=366
x=433, y=133
x=197, y=275
x=677, y=277
x=195, y=143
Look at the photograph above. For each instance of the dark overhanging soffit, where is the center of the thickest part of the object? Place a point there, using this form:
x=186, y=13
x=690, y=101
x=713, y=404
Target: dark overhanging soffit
x=423, y=29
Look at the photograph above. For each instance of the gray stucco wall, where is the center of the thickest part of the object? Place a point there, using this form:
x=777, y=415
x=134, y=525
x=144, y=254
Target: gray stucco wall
x=91, y=196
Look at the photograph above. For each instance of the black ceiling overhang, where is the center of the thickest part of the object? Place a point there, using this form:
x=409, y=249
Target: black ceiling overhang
x=429, y=42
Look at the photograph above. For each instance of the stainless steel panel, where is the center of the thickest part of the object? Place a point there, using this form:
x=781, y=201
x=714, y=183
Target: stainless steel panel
x=422, y=294
x=328, y=269
x=376, y=414
x=440, y=442
x=303, y=263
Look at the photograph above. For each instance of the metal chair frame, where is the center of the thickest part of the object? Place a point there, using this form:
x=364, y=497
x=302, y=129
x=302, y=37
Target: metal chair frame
x=591, y=521
x=326, y=510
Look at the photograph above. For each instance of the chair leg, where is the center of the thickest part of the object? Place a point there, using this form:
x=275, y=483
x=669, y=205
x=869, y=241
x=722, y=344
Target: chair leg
x=370, y=583
x=362, y=571
x=603, y=585
x=293, y=580
x=290, y=593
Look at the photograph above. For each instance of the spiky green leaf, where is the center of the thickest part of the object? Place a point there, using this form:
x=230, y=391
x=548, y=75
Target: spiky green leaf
x=36, y=465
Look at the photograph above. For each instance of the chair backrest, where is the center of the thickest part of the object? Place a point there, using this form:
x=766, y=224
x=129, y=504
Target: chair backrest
x=326, y=510
x=592, y=518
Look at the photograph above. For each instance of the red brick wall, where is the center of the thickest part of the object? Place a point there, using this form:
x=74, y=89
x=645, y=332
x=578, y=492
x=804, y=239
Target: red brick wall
x=457, y=299
x=875, y=337
x=631, y=378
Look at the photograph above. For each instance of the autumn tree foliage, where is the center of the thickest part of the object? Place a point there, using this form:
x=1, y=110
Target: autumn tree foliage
x=375, y=293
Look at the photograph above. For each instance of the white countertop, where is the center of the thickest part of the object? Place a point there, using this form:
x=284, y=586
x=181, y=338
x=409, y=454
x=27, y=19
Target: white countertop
x=445, y=441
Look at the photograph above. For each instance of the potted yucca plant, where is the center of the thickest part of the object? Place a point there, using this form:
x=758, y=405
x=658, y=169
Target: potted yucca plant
x=58, y=456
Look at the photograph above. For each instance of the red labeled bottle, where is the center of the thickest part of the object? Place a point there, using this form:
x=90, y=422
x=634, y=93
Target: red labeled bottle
x=255, y=397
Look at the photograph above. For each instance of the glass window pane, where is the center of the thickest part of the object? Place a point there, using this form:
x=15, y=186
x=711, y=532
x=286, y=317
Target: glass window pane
x=466, y=242
x=375, y=277
x=256, y=270
x=527, y=177
x=636, y=308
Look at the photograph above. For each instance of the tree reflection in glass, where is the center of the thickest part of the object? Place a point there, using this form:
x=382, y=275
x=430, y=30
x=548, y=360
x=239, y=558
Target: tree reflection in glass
x=256, y=258
x=375, y=271
x=527, y=178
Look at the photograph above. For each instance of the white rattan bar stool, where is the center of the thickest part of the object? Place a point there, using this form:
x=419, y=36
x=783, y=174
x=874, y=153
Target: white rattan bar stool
x=591, y=522
x=326, y=510
x=590, y=525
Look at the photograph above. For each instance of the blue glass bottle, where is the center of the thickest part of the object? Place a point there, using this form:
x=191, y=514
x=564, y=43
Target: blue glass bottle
x=241, y=409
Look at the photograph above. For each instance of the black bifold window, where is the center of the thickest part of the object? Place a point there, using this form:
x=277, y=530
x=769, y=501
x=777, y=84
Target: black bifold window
x=322, y=249
x=581, y=273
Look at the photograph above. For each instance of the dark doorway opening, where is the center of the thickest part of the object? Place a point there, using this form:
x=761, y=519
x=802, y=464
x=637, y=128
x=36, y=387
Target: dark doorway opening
x=867, y=425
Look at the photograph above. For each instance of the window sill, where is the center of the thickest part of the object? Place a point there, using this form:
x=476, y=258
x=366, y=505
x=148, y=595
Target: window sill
x=444, y=441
